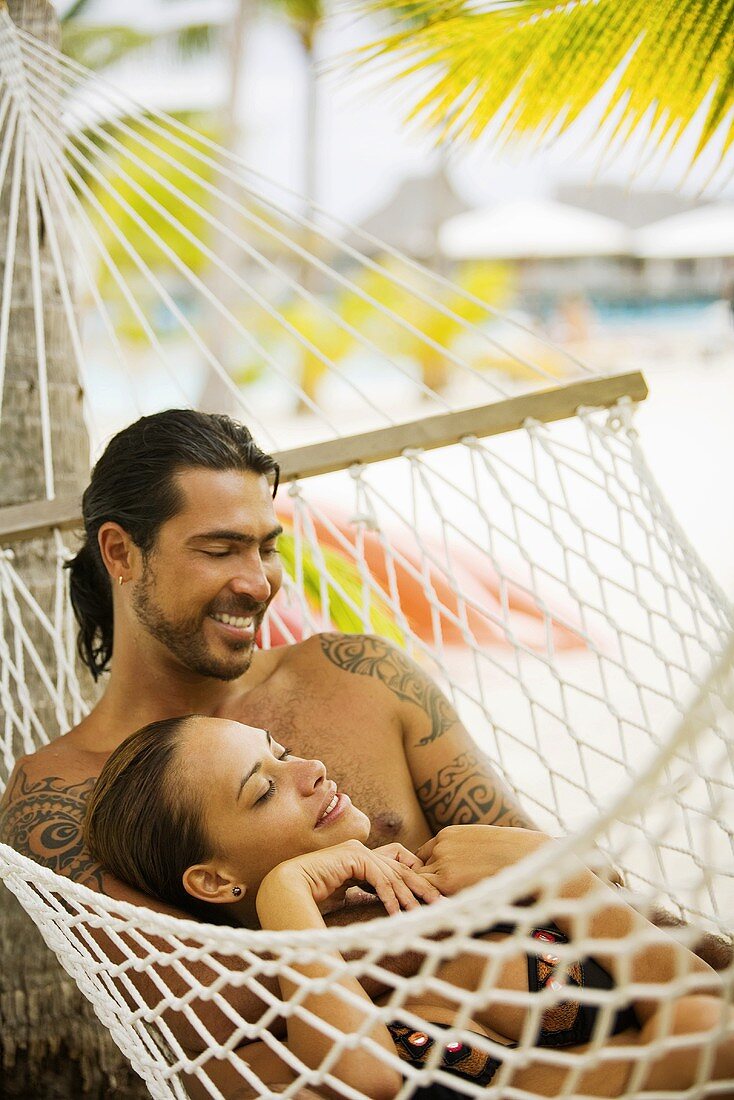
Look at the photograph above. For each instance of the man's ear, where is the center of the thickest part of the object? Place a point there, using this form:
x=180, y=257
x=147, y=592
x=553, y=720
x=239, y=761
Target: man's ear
x=117, y=550
x=205, y=882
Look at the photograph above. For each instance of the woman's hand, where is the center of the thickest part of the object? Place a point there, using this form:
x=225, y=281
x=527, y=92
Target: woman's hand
x=400, y=853
x=462, y=855
x=328, y=873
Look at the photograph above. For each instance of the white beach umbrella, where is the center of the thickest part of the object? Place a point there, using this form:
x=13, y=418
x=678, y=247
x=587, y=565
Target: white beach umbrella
x=708, y=231
x=529, y=228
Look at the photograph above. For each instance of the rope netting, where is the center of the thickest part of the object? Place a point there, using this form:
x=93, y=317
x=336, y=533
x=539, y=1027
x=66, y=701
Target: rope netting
x=146, y=973
x=540, y=578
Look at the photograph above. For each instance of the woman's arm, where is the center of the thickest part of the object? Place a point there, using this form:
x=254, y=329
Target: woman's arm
x=289, y=898
x=460, y=856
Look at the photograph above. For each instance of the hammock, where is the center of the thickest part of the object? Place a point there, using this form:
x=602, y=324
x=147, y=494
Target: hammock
x=506, y=531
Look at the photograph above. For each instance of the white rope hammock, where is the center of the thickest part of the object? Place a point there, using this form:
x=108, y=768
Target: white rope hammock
x=538, y=575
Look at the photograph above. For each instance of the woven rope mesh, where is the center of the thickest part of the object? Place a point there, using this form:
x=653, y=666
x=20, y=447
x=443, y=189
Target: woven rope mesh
x=539, y=577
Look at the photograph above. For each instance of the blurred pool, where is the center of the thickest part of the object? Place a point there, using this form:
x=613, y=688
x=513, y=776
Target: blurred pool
x=689, y=312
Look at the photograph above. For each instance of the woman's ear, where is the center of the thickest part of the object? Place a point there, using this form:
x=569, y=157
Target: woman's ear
x=204, y=882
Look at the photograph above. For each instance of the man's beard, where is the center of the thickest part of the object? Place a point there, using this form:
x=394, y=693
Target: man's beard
x=184, y=638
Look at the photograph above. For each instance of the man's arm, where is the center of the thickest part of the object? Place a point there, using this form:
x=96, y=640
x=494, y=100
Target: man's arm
x=455, y=782
x=42, y=817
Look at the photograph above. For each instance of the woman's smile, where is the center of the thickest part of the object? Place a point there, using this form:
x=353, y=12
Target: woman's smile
x=336, y=806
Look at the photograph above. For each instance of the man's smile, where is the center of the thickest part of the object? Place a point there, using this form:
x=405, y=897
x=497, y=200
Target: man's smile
x=240, y=627
x=233, y=620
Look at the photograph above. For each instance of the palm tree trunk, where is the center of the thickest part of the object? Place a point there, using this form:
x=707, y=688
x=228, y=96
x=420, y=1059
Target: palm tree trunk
x=52, y=1044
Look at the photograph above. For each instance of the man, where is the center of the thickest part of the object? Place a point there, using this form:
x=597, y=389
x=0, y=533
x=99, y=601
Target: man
x=177, y=570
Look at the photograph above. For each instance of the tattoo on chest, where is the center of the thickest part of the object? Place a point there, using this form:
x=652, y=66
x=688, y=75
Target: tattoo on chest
x=462, y=794
x=366, y=656
x=43, y=820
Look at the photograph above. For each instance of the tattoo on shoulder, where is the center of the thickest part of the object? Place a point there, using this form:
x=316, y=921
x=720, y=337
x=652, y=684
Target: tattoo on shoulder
x=369, y=656
x=462, y=794
x=43, y=820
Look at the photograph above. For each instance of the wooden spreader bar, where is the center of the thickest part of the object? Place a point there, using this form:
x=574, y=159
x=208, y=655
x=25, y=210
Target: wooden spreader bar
x=26, y=521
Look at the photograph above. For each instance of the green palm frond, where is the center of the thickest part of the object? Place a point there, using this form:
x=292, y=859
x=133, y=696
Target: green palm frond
x=135, y=202
x=532, y=68
x=73, y=11
x=97, y=46
x=300, y=11
x=195, y=39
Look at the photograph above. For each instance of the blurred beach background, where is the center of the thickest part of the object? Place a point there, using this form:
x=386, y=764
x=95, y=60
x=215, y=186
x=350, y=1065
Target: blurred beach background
x=610, y=244
x=626, y=262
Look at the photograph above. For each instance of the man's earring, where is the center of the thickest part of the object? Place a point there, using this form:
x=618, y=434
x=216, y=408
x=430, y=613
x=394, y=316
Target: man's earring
x=236, y=890
x=120, y=580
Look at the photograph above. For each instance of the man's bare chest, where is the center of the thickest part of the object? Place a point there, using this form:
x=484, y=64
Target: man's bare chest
x=361, y=747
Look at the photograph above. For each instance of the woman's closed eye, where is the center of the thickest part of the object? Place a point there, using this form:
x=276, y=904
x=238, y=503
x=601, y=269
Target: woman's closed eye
x=272, y=785
x=271, y=789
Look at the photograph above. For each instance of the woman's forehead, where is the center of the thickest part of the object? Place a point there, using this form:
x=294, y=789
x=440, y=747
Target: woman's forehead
x=219, y=751
x=227, y=732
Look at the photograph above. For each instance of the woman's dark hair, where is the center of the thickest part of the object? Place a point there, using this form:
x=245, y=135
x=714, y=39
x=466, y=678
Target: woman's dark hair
x=141, y=824
x=134, y=484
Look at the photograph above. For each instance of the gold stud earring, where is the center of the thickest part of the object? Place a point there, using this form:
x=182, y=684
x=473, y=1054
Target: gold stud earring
x=120, y=580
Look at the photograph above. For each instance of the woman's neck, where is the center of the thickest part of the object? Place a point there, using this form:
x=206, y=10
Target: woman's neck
x=242, y=913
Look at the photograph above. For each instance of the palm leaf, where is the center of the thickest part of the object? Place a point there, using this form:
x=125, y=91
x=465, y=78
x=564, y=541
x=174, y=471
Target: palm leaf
x=530, y=68
x=300, y=11
x=97, y=46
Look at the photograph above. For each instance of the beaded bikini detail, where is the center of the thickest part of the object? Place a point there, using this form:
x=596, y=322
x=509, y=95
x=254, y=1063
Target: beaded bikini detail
x=567, y=1023
x=457, y=1058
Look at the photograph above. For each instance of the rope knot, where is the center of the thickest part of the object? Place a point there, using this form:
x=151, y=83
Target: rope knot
x=621, y=416
x=365, y=520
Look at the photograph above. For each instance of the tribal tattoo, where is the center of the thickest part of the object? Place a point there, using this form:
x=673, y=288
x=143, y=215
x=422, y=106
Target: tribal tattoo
x=43, y=821
x=368, y=656
x=463, y=794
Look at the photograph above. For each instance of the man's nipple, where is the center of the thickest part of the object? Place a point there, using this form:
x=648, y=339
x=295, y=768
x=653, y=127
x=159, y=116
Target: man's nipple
x=388, y=824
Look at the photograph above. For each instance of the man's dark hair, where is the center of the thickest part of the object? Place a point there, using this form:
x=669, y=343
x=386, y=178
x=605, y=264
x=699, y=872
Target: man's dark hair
x=134, y=484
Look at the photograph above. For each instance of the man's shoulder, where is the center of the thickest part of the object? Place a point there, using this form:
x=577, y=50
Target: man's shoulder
x=339, y=650
x=365, y=666
x=368, y=660
x=60, y=759
x=42, y=811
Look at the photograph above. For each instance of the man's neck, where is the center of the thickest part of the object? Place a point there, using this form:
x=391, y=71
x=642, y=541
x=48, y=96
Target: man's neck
x=146, y=687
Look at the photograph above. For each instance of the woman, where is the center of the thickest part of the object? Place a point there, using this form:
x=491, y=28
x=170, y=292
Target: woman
x=205, y=813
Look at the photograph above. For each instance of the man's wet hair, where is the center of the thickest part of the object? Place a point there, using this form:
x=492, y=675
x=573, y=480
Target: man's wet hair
x=134, y=484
